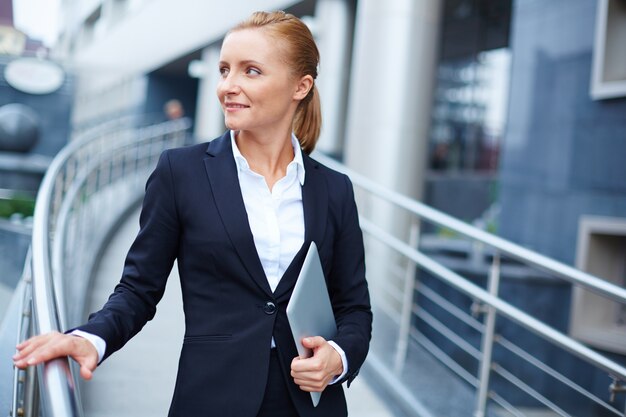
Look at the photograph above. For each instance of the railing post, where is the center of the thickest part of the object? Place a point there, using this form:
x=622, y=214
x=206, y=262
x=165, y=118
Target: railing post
x=617, y=387
x=407, y=303
x=487, y=340
x=31, y=393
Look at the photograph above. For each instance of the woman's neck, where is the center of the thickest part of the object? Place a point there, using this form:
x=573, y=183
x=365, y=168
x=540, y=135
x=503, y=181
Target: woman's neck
x=267, y=155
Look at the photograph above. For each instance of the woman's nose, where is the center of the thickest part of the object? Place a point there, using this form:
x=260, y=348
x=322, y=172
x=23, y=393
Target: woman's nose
x=228, y=85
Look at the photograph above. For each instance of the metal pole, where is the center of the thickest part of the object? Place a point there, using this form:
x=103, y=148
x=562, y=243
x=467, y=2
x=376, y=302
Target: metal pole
x=407, y=303
x=431, y=215
x=487, y=340
x=31, y=394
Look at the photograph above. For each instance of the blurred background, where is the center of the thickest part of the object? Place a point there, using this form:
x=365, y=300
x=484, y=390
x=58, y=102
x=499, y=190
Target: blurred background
x=486, y=140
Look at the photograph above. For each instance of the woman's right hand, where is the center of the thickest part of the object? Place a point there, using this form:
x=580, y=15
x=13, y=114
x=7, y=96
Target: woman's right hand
x=54, y=345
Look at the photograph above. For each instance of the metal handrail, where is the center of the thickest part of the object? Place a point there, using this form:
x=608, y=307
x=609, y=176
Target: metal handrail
x=395, y=302
x=57, y=382
x=511, y=249
x=23, y=291
x=506, y=309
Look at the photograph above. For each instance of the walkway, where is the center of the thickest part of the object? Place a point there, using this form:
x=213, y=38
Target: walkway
x=138, y=380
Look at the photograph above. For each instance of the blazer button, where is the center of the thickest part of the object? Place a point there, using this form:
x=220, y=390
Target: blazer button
x=269, y=308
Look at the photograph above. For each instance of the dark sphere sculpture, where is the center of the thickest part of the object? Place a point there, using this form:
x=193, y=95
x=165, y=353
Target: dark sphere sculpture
x=19, y=128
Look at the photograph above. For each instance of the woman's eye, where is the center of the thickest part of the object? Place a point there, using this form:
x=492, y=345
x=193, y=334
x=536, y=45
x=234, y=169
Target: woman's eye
x=223, y=71
x=253, y=71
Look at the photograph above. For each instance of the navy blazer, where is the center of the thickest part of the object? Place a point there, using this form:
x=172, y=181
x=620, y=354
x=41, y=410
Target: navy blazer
x=193, y=211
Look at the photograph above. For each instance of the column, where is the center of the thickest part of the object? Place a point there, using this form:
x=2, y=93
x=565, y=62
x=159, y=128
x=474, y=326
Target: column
x=209, y=121
x=389, y=112
x=333, y=27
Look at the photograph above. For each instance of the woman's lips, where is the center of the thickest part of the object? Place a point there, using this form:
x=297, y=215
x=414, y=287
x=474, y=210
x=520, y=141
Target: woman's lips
x=235, y=106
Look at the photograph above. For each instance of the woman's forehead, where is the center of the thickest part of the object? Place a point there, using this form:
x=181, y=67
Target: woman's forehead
x=252, y=44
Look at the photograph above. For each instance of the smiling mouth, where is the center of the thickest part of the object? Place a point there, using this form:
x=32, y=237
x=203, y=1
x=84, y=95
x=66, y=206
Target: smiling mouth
x=235, y=106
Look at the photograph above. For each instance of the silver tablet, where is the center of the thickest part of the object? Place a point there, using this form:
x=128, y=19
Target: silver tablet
x=309, y=310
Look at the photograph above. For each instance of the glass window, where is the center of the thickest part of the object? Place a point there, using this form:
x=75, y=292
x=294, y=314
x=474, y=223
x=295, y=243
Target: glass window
x=471, y=94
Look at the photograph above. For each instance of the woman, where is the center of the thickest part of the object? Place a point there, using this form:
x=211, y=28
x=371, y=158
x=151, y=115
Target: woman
x=239, y=216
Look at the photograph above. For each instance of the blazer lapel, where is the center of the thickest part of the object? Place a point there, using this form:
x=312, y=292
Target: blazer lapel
x=315, y=205
x=314, y=201
x=222, y=174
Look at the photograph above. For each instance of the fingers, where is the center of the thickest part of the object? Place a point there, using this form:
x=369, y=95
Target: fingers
x=88, y=363
x=53, y=345
x=311, y=387
x=313, y=342
x=30, y=350
x=86, y=373
x=29, y=344
x=314, y=380
x=312, y=364
x=313, y=374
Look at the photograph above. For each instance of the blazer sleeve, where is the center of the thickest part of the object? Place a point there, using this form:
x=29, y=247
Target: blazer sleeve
x=147, y=266
x=348, y=287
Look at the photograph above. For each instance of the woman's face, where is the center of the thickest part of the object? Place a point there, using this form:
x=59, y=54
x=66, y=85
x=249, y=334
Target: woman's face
x=256, y=88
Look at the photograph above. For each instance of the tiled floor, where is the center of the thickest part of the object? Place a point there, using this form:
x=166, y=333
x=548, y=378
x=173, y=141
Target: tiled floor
x=363, y=402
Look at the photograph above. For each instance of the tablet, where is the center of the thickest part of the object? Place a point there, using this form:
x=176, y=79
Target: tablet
x=309, y=310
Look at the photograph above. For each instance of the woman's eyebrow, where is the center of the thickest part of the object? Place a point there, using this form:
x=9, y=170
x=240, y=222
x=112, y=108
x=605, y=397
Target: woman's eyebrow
x=250, y=62
x=243, y=62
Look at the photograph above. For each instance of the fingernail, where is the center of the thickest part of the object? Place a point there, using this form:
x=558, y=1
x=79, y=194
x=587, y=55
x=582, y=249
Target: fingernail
x=31, y=361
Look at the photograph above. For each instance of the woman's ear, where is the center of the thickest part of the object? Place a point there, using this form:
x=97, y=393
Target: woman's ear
x=305, y=84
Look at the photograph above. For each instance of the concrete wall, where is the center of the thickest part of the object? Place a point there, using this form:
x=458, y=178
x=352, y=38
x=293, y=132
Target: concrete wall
x=564, y=155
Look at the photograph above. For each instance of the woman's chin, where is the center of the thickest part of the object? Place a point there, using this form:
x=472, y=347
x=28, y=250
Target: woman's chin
x=231, y=125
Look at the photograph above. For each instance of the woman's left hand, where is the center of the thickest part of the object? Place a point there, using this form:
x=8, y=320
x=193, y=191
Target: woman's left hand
x=313, y=374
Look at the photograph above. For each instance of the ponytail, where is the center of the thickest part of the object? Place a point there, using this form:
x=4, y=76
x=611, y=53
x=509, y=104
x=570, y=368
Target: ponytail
x=307, y=122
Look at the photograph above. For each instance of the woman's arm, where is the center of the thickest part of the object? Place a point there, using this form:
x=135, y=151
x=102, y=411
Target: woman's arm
x=147, y=267
x=133, y=302
x=351, y=305
x=348, y=287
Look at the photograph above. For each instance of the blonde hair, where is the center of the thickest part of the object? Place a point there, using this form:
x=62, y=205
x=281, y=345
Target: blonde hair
x=303, y=57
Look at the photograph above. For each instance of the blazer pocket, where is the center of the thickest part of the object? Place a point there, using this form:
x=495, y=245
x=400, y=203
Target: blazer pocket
x=207, y=338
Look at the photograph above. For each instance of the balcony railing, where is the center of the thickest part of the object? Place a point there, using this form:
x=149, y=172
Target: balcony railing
x=396, y=289
x=89, y=187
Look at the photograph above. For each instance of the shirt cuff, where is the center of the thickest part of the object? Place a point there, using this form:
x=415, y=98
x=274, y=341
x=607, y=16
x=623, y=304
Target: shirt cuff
x=96, y=341
x=344, y=362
